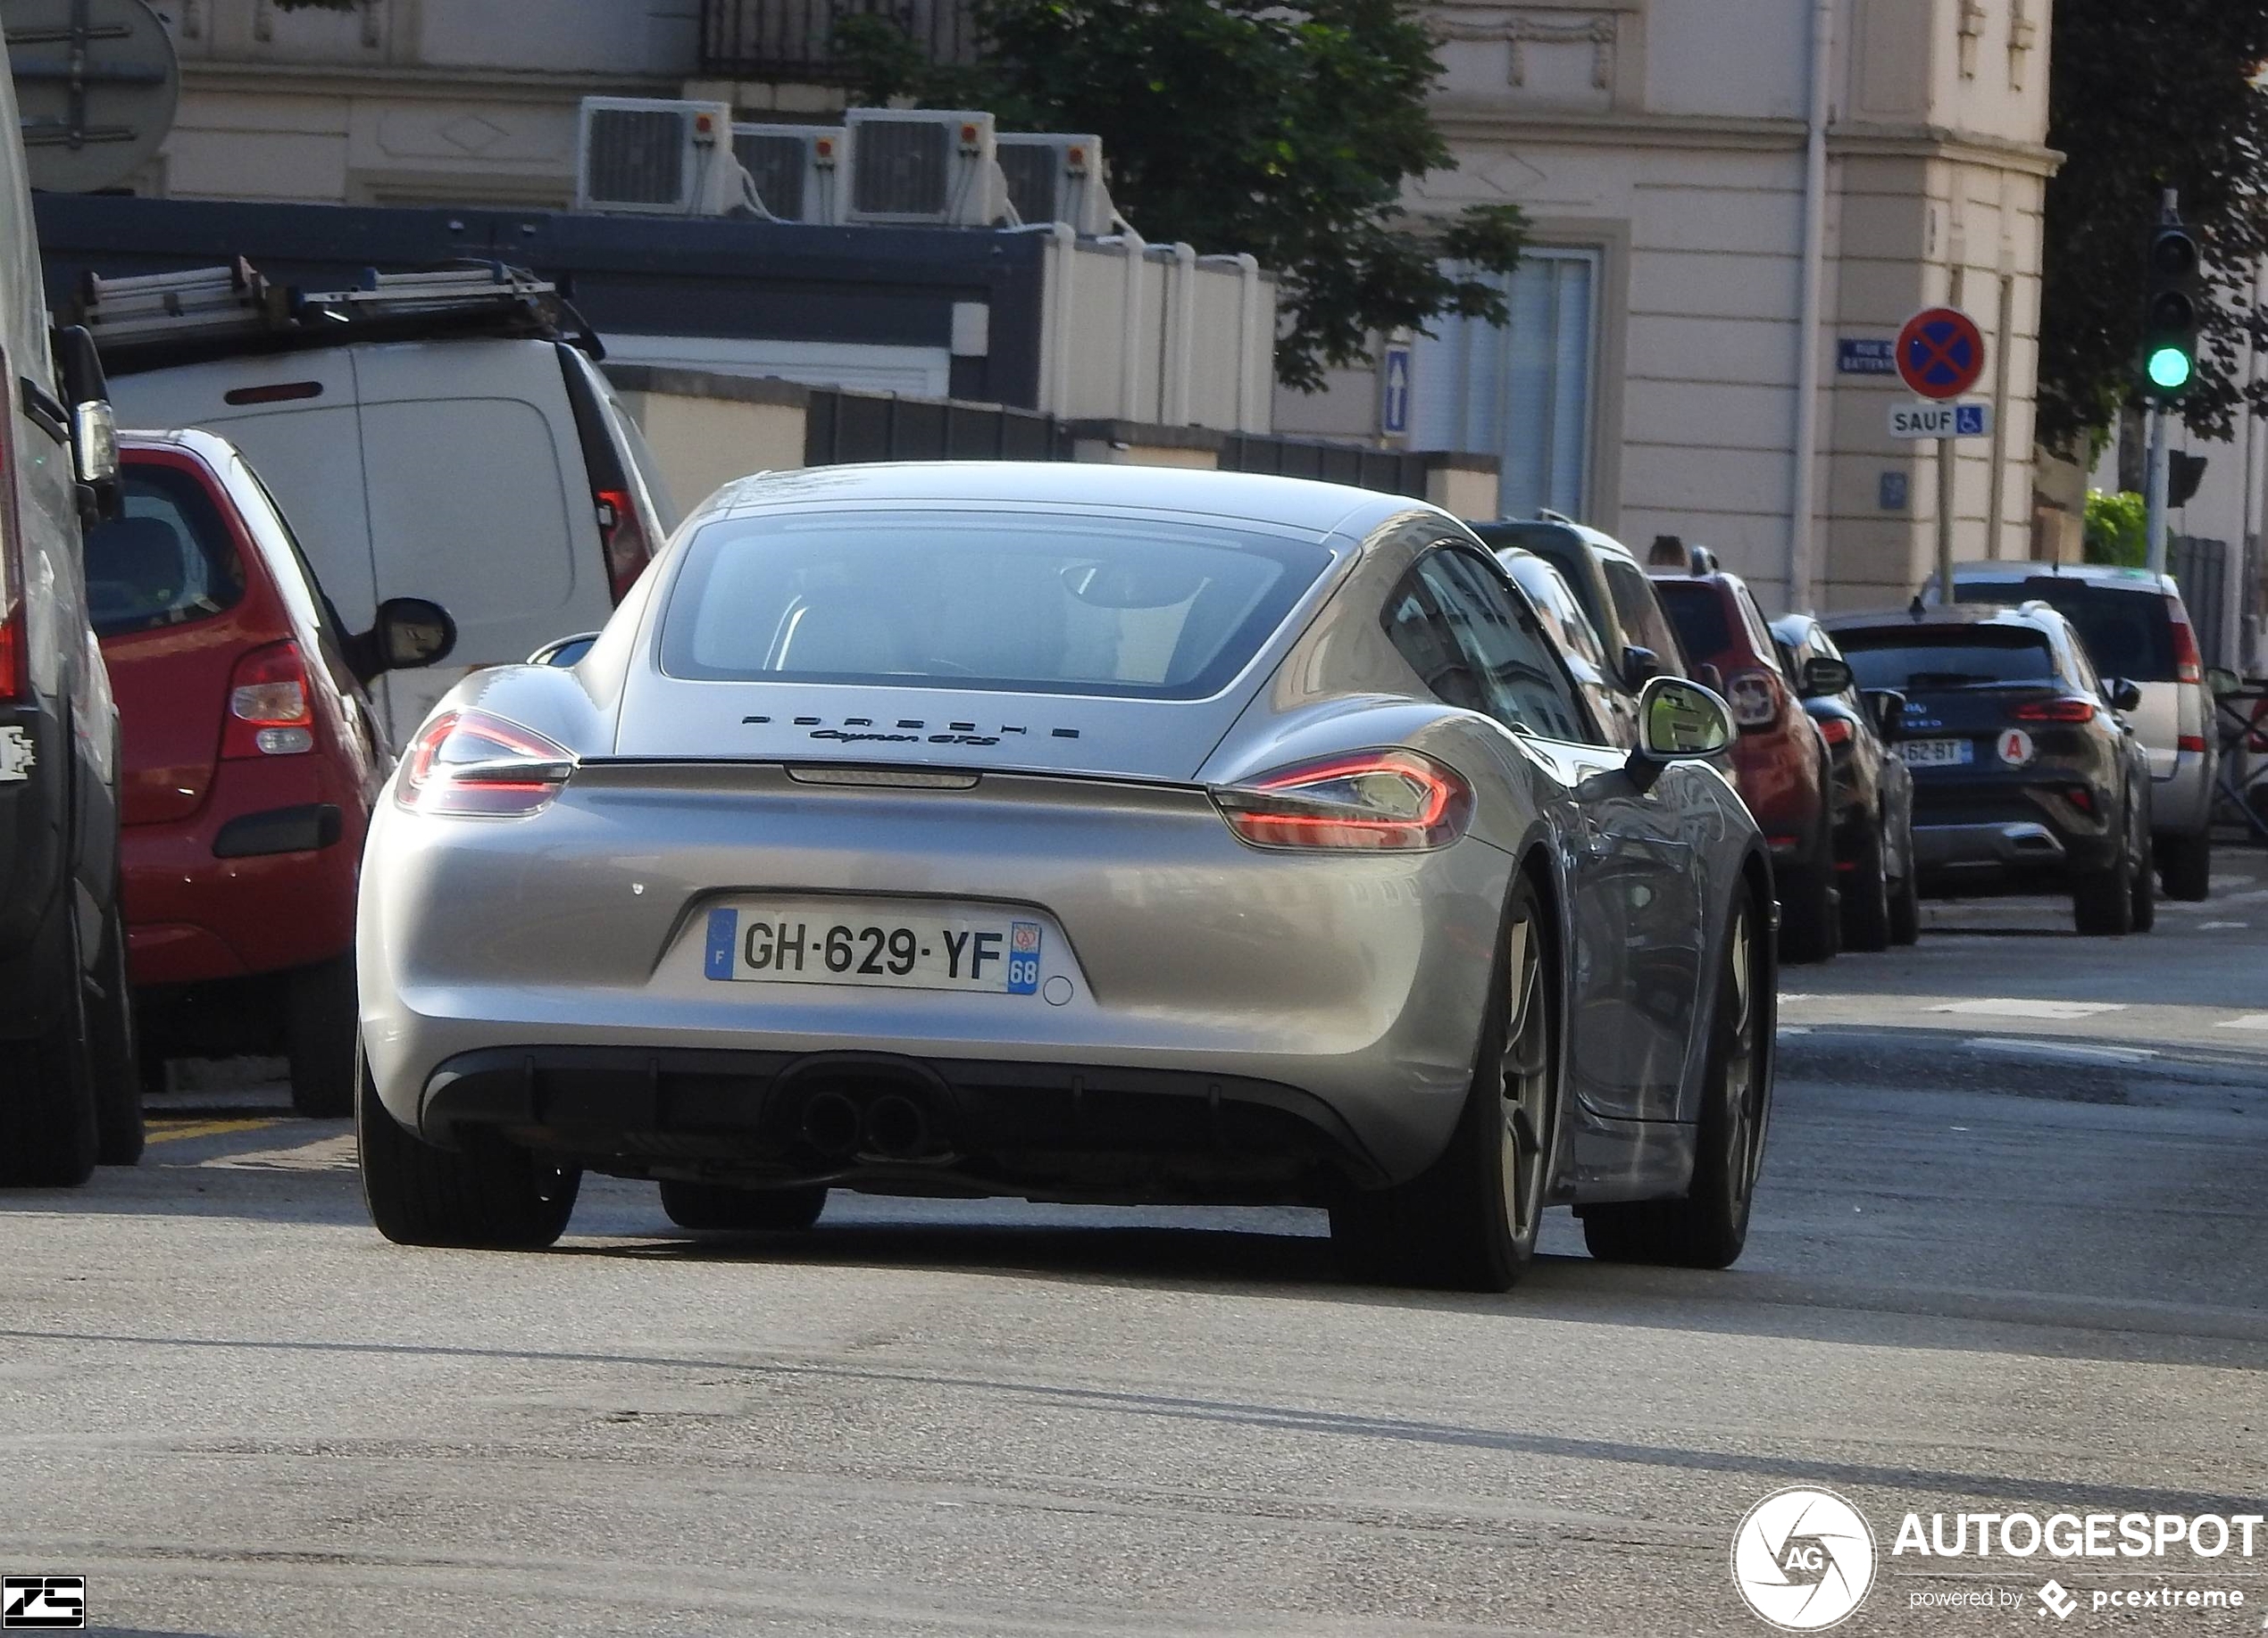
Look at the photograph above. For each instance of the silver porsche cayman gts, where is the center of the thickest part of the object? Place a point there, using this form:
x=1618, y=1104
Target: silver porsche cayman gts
x=1079, y=833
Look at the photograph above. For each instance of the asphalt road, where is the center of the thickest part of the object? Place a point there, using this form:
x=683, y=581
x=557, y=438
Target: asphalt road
x=2001, y=1262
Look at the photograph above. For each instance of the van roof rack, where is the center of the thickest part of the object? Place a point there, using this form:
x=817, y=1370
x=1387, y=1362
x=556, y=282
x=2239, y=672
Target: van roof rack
x=150, y=320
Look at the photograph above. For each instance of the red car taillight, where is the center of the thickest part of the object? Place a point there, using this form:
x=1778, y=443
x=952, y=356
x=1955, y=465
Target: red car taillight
x=2055, y=710
x=469, y=763
x=1754, y=701
x=15, y=664
x=1835, y=731
x=628, y=550
x=2188, y=665
x=268, y=713
x=1370, y=801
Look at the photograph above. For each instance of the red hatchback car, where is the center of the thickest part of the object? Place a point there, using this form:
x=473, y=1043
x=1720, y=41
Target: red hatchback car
x=250, y=758
x=1780, y=761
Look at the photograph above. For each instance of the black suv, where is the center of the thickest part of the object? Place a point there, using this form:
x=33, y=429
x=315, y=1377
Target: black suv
x=2026, y=772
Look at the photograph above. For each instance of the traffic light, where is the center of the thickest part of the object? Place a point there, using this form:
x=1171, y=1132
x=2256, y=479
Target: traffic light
x=2169, y=321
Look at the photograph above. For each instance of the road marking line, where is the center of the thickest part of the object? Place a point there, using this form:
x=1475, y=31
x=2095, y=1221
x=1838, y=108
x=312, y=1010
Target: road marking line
x=2208, y=926
x=2013, y=1007
x=2019, y=1046
x=2250, y=1020
x=174, y=1132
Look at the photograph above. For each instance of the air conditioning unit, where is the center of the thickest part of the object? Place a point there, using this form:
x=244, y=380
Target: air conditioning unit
x=1054, y=176
x=794, y=168
x=645, y=156
x=925, y=165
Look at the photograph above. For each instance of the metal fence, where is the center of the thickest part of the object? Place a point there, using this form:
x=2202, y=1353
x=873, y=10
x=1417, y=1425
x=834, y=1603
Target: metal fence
x=841, y=426
x=2200, y=567
x=794, y=39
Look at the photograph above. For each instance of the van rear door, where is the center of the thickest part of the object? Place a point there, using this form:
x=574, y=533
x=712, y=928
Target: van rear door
x=478, y=500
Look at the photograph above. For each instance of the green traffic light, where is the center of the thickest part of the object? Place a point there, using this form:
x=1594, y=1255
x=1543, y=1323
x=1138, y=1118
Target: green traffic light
x=2170, y=367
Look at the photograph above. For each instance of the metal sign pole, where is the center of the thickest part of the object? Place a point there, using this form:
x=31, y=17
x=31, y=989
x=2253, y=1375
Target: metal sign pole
x=1946, y=447
x=2159, y=478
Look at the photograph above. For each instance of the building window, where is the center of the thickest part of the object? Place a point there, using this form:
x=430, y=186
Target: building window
x=1521, y=392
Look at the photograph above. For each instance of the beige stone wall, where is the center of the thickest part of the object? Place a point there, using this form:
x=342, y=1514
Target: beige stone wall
x=1670, y=134
x=703, y=443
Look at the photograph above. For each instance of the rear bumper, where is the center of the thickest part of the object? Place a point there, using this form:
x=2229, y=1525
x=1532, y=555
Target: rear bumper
x=2181, y=801
x=34, y=869
x=2012, y=830
x=1052, y=1130
x=1778, y=780
x=259, y=879
x=1358, y=982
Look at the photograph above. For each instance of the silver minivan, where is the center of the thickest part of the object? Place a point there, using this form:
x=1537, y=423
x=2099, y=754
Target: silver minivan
x=2136, y=626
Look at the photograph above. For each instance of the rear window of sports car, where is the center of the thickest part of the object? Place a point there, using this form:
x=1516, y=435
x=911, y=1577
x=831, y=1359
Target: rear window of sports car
x=1019, y=601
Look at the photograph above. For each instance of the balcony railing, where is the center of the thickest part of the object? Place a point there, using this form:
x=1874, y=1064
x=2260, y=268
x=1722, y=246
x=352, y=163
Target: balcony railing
x=793, y=39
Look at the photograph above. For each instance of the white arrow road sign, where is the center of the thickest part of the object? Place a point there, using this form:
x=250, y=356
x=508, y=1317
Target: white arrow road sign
x=1941, y=420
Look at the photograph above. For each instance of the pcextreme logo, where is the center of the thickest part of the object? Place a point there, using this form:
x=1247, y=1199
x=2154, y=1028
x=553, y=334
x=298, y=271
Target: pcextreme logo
x=1803, y=1558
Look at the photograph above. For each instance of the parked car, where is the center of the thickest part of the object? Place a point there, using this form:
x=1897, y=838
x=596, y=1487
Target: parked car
x=70, y=1097
x=2136, y=626
x=419, y=451
x=1613, y=589
x=1780, y=761
x=2027, y=774
x=1578, y=640
x=1071, y=831
x=1873, y=789
x=251, y=758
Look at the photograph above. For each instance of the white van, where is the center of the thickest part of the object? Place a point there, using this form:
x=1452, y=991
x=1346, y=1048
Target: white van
x=499, y=477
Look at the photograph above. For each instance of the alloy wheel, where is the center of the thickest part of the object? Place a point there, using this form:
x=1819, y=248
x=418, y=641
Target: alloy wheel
x=1527, y=1088
x=1744, y=1127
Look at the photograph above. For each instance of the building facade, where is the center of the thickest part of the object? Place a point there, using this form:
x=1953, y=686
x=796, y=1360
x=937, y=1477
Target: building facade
x=1652, y=379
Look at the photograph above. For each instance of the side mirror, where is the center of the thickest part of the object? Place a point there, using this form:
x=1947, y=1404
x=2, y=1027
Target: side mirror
x=1680, y=721
x=411, y=633
x=2221, y=679
x=2123, y=695
x=1889, y=706
x=1640, y=666
x=564, y=651
x=1822, y=676
x=94, y=426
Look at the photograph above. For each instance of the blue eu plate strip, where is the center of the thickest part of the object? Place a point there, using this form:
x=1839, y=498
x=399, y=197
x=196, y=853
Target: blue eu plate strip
x=1023, y=958
x=724, y=942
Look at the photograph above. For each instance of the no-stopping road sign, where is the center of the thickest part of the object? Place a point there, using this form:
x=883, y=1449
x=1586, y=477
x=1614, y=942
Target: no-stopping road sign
x=1941, y=353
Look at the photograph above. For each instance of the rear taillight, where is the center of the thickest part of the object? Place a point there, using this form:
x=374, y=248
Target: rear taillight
x=628, y=550
x=268, y=713
x=15, y=664
x=2081, y=797
x=2188, y=665
x=1369, y=801
x=2055, y=711
x=1835, y=731
x=1754, y=701
x=2189, y=741
x=469, y=763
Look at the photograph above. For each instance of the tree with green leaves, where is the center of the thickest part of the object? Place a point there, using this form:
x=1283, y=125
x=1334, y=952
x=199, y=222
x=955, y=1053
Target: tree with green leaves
x=2143, y=97
x=1286, y=130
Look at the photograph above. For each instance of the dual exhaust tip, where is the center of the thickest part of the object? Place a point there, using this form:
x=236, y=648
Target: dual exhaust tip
x=892, y=1126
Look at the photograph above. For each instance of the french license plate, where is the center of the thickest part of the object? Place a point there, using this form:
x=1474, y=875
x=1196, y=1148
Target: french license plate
x=849, y=943
x=1937, y=753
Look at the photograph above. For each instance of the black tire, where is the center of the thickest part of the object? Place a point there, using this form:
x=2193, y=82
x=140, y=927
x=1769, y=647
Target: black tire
x=1470, y=1221
x=1905, y=900
x=114, y=1058
x=319, y=1025
x=49, y=1132
x=1810, y=922
x=489, y=1195
x=1709, y=1227
x=1866, y=894
x=716, y=1205
x=2102, y=901
x=2186, y=865
x=2145, y=883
